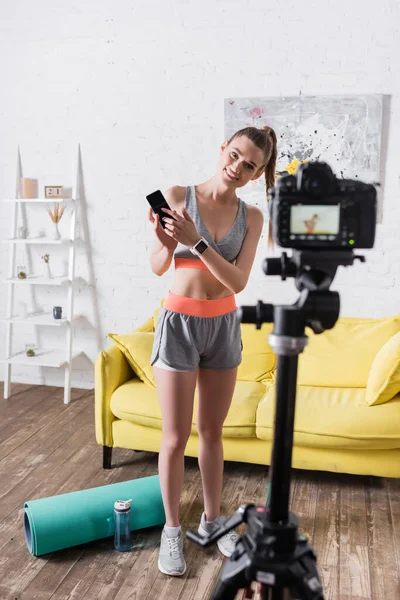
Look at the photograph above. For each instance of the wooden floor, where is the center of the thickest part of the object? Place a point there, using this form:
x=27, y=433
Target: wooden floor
x=47, y=448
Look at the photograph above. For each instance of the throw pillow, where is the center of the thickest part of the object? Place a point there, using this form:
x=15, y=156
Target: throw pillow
x=258, y=358
x=343, y=356
x=384, y=377
x=137, y=348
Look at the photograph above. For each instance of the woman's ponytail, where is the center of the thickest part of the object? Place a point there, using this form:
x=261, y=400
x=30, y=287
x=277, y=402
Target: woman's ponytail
x=270, y=167
x=270, y=174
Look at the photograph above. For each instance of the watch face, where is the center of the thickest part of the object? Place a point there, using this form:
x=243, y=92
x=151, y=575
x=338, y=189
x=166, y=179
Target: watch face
x=201, y=246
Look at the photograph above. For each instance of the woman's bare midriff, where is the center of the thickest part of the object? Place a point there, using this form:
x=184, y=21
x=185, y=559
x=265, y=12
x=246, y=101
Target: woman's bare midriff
x=196, y=283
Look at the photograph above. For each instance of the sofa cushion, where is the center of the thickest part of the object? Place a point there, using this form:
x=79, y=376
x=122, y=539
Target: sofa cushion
x=137, y=347
x=384, y=377
x=343, y=356
x=146, y=326
x=258, y=358
x=134, y=401
x=333, y=418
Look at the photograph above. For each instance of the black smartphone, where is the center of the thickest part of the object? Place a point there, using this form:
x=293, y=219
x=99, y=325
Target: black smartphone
x=157, y=202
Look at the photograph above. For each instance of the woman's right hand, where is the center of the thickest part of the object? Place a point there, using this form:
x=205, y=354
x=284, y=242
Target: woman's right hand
x=163, y=237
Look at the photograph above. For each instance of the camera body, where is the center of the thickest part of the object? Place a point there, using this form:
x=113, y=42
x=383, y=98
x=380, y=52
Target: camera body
x=315, y=210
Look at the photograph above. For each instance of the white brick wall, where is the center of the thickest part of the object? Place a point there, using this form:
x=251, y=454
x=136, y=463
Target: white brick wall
x=140, y=85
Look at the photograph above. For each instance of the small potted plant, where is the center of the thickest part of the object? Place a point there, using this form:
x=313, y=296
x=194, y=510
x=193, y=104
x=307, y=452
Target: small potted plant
x=30, y=350
x=46, y=260
x=21, y=272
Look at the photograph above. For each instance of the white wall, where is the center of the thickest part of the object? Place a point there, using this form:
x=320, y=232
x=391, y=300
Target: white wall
x=140, y=85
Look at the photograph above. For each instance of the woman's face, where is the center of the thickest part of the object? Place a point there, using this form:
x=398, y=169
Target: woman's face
x=240, y=162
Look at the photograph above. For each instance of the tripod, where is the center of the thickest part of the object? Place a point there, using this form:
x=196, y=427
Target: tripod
x=272, y=552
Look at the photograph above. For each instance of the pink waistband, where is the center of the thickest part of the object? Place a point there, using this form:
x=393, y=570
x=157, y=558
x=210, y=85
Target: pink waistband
x=200, y=308
x=190, y=263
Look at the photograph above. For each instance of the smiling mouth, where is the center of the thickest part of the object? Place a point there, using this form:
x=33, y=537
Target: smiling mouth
x=231, y=177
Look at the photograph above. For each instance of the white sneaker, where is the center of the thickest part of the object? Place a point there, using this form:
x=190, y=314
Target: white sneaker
x=171, y=560
x=226, y=544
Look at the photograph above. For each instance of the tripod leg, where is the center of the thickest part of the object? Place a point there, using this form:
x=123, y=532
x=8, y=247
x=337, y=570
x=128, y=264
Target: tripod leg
x=248, y=592
x=234, y=577
x=267, y=593
x=280, y=594
x=307, y=583
x=223, y=591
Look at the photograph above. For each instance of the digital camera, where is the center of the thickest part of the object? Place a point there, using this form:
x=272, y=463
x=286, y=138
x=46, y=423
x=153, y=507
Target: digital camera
x=314, y=209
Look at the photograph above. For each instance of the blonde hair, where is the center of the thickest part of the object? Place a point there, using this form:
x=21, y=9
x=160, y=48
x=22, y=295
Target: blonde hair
x=265, y=139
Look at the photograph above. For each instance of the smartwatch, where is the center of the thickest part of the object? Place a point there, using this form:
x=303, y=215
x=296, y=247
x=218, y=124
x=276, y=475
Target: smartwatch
x=200, y=247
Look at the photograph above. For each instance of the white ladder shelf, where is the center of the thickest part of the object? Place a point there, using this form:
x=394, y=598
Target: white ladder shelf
x=45, y=357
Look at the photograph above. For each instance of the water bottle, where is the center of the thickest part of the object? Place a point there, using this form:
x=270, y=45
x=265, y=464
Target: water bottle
x=122, y=537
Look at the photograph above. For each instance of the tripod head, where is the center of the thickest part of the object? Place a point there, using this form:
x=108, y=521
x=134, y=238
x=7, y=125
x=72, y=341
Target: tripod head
x=313, y=271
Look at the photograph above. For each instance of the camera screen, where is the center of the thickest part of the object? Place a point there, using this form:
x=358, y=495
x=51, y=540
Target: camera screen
x=314, y=220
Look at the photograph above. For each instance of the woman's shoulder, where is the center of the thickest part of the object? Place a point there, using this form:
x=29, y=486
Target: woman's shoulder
x=254, y=214
x=175, y=196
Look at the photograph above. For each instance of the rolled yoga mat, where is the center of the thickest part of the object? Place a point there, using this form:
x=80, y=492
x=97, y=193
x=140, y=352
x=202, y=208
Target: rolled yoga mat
x=75, y=518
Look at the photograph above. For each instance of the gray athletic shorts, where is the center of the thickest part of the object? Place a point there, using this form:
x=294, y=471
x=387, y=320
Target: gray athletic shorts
x=185, y=341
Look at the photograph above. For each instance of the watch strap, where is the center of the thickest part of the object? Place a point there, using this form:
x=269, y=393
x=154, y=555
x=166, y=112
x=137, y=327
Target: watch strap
x=200, y=244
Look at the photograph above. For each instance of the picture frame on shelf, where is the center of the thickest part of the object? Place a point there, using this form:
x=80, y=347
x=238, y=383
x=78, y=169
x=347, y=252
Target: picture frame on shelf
x=54, y=192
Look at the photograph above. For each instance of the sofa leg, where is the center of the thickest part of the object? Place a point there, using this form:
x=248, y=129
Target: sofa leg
x=107, y=453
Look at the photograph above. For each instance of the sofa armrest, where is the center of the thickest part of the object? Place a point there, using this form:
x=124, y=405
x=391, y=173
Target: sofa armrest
x=111, y=371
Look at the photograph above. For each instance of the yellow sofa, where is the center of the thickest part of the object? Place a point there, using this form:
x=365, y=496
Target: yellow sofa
x=347, y=405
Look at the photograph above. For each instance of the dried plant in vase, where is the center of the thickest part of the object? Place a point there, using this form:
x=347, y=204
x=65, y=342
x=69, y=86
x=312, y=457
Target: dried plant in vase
x=55, y=216
x=46, y=260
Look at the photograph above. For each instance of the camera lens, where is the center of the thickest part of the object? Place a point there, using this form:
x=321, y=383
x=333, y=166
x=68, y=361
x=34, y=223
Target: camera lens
x=315, y=185
x=315, y=179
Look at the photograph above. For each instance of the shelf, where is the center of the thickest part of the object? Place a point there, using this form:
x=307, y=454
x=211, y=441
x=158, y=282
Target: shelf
x=40, y=200
x=38, y=319
x=43, y=358
x=37, y=280
x=57, y=350
x=38, y=240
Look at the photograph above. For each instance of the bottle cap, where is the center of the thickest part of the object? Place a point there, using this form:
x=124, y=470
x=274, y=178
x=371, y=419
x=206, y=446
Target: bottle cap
x=122, y=505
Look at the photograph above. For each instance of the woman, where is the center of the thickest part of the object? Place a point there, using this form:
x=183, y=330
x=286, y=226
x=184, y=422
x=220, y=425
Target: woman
x=310, y=224
x=213, y=237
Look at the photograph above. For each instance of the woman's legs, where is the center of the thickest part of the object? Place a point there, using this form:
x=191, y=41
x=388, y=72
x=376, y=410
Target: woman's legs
x=176, y=393
x=216, y=387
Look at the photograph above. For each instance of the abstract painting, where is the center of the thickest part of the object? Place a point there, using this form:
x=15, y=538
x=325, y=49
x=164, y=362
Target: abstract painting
x=343, y=131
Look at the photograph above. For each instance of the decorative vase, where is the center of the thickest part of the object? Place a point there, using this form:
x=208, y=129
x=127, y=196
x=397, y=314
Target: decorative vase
x=22, y=232
x=56, y=233
x=47, y=272
x=30, y=350
x=21, y=272
x=57, y=312
x=28, y=187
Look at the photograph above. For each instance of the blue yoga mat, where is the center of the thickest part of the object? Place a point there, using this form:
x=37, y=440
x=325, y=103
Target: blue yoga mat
x=75, y=518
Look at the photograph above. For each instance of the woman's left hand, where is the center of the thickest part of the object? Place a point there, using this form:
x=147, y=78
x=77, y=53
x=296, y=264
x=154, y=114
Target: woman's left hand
x=181, y=227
